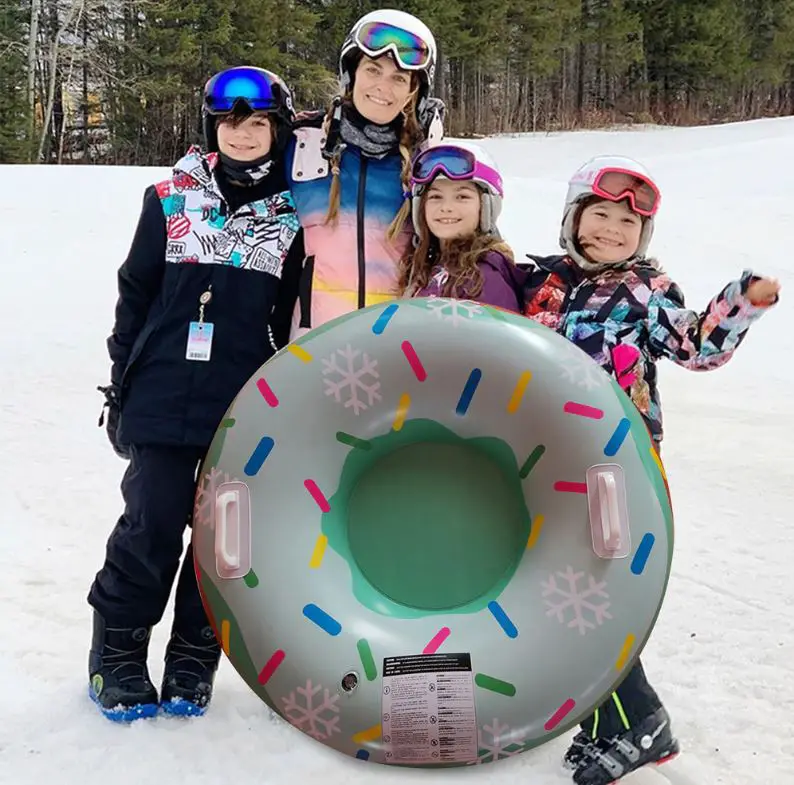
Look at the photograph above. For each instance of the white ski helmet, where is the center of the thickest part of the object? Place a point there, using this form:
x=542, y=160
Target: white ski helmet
x=485, y=173
x=580, y=187
x=353, y=47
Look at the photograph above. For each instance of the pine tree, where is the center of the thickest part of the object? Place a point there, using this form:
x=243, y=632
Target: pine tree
x=122, y=81
x=14, y=114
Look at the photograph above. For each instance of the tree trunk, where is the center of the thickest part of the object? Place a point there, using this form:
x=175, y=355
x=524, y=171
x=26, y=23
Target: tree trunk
x=34, y=34
x=84, y=108
x=70, y=73
x=53, y=70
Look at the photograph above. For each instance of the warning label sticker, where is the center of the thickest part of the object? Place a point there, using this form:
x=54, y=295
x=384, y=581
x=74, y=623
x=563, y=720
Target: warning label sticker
x=428, y=711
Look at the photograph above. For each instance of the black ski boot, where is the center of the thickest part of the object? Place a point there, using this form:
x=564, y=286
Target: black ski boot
x=191, y=659
x=118, y=677
x=606, y=760
x=573, y=757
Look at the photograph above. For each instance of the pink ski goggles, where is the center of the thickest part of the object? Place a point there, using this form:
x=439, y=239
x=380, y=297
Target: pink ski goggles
x=617, y=184
x=454, y=163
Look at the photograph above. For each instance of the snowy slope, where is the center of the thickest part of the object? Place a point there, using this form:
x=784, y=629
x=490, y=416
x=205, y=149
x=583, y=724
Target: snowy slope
x=722, y=654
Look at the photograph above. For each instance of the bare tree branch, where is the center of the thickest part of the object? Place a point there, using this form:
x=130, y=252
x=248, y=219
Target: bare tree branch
x=74, y=7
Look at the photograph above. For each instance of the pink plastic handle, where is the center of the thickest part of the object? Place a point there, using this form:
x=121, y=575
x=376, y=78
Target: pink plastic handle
x=232, y=530
x=608, y=511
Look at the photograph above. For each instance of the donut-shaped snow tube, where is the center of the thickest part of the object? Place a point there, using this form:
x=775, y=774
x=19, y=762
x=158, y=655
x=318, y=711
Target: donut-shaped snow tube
x=432, y=533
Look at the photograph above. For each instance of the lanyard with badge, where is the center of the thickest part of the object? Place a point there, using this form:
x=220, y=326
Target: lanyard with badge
x=199, y=337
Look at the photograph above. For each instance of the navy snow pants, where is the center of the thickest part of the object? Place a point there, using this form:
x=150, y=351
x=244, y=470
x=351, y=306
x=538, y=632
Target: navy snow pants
x=144, y=548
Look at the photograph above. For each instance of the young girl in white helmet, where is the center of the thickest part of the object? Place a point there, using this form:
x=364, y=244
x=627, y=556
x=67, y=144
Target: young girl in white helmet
x=349, y=170
x=619, y=306
x=456, y=200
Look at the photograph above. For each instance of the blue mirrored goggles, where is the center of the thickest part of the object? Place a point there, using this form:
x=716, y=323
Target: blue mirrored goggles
x=258, y=88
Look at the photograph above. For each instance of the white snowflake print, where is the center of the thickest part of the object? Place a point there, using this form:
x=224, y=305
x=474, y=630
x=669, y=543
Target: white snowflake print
x=589, y=605
x=204, y=509
x=496, y=741
x=454, y=311
x=354, y=376
x=579, y=369
x=310, y=718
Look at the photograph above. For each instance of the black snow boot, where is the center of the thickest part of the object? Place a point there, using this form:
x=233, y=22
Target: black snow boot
x=191, y=659
x=606, y=760
x=575, y=753
x=119, y=680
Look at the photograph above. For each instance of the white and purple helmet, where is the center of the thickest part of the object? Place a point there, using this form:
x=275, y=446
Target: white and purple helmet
x=460, y=160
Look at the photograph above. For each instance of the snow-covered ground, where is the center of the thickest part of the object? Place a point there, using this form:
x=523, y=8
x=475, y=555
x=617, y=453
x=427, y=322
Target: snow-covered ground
x=722, y=654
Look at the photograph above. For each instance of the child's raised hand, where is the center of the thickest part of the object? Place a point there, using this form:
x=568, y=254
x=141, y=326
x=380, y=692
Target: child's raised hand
x=764, y=291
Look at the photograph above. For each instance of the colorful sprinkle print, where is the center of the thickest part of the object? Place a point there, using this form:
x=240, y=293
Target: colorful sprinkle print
x=468, y=392
x=414, y=361
x=560, y=714
x=503, y=619
x=370, y=734
x=436, y=641
x=267, y=393
x=531, y=462
x=570, y=487
x=518, y=393
x=300, y=353
x=582, y=410
x=495, y=685
x=319, y=552
x=402, y=412
x=534, y=534
x=353, y=441
x=640, y=560
x=367, y=660
x=226, y=629
x=317, y=495
x=322, y=619
x=618, y=437
x=628, y=645
x=271, y=666
x=658, y=462
x=259, y=456
x=383, y=320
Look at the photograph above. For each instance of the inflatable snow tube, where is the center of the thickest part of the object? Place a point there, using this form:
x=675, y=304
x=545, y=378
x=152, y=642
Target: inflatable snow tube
x=432, y=533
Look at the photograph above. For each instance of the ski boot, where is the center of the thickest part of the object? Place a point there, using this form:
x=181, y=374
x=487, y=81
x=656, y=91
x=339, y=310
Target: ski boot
x=119, y=681
x=575, y=752
x=606, y=760
x=191, y=660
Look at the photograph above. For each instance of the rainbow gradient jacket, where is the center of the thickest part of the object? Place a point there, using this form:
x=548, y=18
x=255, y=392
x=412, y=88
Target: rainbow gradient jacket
x=351, y=264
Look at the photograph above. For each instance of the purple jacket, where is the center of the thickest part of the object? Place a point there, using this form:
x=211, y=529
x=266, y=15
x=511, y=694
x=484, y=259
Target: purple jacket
x=502, y=283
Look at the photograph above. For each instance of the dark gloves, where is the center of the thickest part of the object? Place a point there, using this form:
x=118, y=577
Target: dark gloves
x=111, y=409
x=309, y=118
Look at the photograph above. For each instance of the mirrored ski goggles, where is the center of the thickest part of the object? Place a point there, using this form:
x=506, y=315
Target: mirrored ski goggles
x=454, y=163
x=377, y=38
x=618, y=184
x=260, y=90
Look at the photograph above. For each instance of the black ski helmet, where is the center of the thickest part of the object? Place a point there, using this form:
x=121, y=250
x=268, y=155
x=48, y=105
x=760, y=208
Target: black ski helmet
x=247, y=88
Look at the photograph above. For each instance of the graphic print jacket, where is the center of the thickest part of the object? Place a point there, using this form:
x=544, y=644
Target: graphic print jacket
x=628, y=319
x=198, y=233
